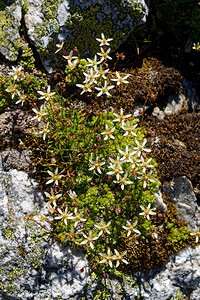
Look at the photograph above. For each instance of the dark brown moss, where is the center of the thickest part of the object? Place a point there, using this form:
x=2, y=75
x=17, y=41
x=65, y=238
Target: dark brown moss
x=152, y=78
x=153, y=253
x=177, y=150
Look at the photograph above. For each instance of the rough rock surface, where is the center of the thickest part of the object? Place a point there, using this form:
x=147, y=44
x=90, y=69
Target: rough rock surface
x=184, y=198
x=180, y=276
x=10, y=22
x=16, y=159
x=34, y=267
x=74, y=23
x=31, y=265
x=188, y=100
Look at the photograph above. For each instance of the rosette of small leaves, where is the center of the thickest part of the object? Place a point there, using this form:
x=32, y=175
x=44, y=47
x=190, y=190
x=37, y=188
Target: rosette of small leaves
x=74, y=73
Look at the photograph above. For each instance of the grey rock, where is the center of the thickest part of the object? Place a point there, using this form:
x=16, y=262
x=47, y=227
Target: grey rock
x=190, y=93
x=10, y=22
x=16, y=159
x=33, y=266
x=187, y=100
x=181, y=274
x=183, y=196
x=160, y=204
x=74, y=23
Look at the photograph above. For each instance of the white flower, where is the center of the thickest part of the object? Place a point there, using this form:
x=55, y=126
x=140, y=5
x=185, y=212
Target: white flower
x=103, y=227
x=134, y=171
x=86, y=87
x=101, y=72
x=116, y=161
x=104, y=54
x=131, y=228
x=107, y=258
x=116, y=169
x=103, y=41
x=73, y=63
x=108, y=133
x=120, y=79
x=13, y=90
x=52, y=197
x=70, y=56
x=72, y=195
x=90, y=76
x=104, y=89
x=147, y=177
x=130, y=130
x=145, y=164
x=52, y=209
x=18, y=73
x=46, y=95
x=127, y=155
x=119, y=257
x=22, y=99
x=78, y=217
x=121, y=117
x=64, y=215
x=123, y=181
x=54, y=177
x=196, y=233
x=39, y=113
x=59, y=46
x=96, y=165
x=89, y=239
x=93, y=63
x=140, y=147
x=196, y=46
x=44, y=131
x=147, y=211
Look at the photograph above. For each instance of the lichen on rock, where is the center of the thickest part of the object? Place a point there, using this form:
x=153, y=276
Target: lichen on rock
x=78, y=23
x=10, y=20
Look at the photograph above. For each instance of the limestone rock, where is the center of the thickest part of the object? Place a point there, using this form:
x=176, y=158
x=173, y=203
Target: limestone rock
x=183, y=196
x=74, y=23
x=180, y=277
x=10, y=22
x=188, y=100
x=32, y=265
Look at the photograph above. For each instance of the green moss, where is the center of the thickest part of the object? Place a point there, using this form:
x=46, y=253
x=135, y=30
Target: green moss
x=27, y=59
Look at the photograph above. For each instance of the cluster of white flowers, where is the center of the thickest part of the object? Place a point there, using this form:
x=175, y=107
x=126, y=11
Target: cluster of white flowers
x=139, y=167
x=97, y=75
x=117, y=257
x=130, y=162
